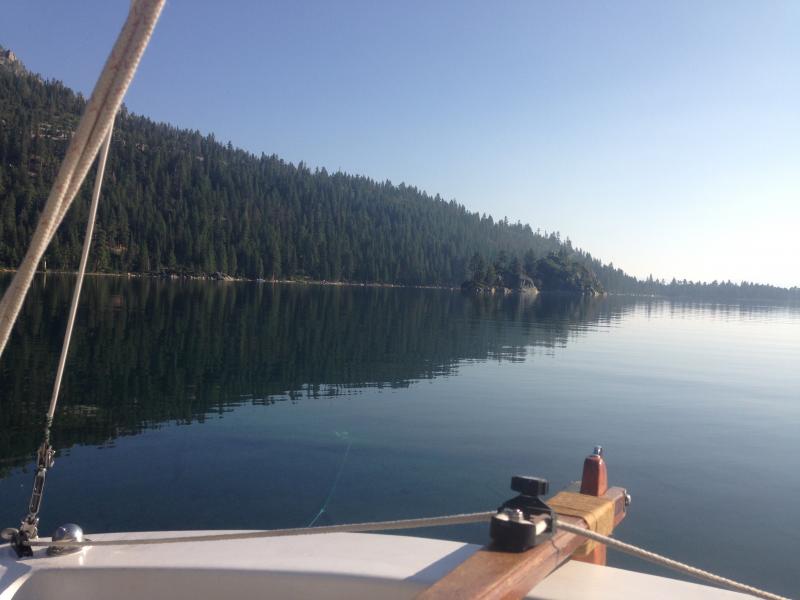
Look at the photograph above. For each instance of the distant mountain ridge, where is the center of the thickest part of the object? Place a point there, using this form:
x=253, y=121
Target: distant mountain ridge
x=180, y=202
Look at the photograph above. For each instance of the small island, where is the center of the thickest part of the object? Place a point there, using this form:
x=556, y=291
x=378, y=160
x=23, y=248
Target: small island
x=554, y=273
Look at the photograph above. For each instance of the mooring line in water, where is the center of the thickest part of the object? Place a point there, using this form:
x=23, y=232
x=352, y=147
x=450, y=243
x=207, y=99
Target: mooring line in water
x=335, y=484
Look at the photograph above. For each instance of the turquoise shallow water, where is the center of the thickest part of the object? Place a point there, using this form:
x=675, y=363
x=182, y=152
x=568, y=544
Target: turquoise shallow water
x=211, y=405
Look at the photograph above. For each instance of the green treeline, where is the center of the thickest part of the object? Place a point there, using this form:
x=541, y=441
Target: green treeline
x=178, y=201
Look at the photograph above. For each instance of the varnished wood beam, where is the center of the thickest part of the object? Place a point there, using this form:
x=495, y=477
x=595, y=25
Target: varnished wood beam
x=493, y=575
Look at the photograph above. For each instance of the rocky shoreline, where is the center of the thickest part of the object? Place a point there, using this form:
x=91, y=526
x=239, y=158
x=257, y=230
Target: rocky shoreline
x=224, y=277
x=481, y=289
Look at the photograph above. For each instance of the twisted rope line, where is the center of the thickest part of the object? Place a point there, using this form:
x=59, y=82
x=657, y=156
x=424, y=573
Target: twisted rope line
x=663, y=561
x=92, y=130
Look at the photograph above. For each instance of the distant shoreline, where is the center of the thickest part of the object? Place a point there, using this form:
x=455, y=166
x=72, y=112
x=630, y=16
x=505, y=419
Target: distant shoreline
x=231, y=279
x=221, y=277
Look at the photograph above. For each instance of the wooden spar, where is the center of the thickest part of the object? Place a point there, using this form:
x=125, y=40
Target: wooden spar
x=489, y=574
x=493, y=575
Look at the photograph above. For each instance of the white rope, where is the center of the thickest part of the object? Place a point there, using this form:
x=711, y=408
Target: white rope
x=430, y=522
x=250, y=535
x=76, y=294
x=663, y=561
x=92, y=130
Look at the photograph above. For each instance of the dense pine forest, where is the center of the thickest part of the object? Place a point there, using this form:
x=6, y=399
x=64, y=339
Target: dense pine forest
x=180, y=202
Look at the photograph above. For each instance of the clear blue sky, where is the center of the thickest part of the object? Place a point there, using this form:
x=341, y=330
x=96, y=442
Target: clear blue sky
x=664, y=136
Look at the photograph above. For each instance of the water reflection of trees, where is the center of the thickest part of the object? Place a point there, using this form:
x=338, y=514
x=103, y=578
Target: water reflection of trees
x=147, y=352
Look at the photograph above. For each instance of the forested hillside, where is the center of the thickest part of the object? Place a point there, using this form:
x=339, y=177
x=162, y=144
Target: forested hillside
x=180, y=201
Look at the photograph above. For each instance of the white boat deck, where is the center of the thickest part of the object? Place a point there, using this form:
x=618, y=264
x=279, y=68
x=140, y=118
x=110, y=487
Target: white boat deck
x=337, y=565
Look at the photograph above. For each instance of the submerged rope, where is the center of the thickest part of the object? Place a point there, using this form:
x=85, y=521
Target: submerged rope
x=333, y=487
x=433, y=522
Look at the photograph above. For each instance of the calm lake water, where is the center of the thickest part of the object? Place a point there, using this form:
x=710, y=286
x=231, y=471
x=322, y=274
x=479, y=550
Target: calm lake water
x=199, y=405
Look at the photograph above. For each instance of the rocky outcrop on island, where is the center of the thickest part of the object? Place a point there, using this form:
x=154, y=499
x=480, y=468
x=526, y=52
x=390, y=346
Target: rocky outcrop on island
x=504, y=284
x=554, y=273
x=557, y=273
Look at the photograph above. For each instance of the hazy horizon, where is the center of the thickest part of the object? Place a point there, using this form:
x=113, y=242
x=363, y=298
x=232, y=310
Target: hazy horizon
x=662, y=138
